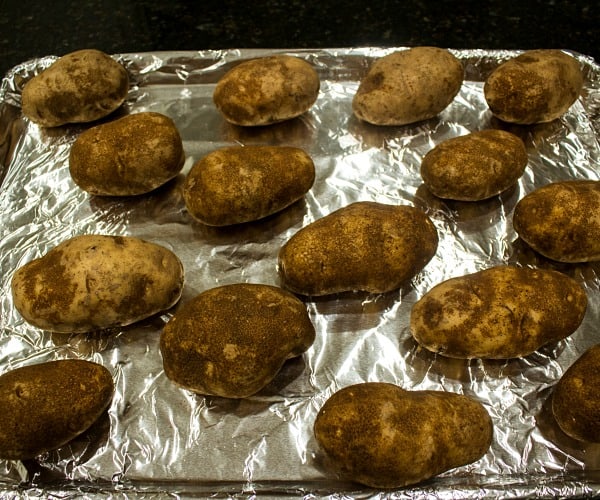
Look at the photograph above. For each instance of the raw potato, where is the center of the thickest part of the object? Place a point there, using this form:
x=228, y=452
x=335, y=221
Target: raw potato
x=474, y=167
x=382, y=436
x=576, y=398
x=245, y=183
x=560, y=220
x=82, y=86
x=93, y=282
x=535, y=87
x=267, y=90
x=364, y=246
x=231, y=341
x=44, y=406
x=408, y=86
x=129, y=156
x=498, y=313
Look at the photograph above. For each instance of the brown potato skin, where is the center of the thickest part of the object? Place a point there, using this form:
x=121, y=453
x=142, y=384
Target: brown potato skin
x=498, y=313
x=408, y=86
x=129, y=156
x=537, y=86
x=46, y=405
x=383, y=436
x=267, y=90
x=232, y=340
x=94, y=282
x=576, y=398
x=240, y=184
x=365, y=246
x=475, y=166
x=559, y=220
x=82, y=86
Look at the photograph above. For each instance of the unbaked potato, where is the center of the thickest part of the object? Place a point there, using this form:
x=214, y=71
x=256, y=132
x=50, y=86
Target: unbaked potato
x=498, y=313
x=46, y=405
x=82, y=86
x=383, y=436
x=367, y=246
x=239, y=184
x=267, y=90
x=475, y=166
x=232, y=340
x=536, y=86
x=129, y=156
x=408, y=86
x=576, y=398
x=94, y=282
x=560, y=221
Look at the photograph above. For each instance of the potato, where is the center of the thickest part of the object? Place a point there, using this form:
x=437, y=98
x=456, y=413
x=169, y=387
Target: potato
x=82, y=86
x=267, y=90
x=365, y=246
x=498, y=313
x=382, y=436
x=232, y=340
x=475, y=166
x=535, y=87
x=576, y=398
x=129, y=156
x=408, y=86
x=245, y=183
x=44, y=406
x=93, y=282
x=559, y=220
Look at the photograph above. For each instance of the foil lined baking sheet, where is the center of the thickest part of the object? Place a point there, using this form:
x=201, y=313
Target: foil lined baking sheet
x=158, y=439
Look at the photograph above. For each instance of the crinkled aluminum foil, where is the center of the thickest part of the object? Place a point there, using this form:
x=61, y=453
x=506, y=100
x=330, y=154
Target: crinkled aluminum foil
x=156, y=438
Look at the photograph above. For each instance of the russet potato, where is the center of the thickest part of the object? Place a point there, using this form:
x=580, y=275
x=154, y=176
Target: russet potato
x=383, y=436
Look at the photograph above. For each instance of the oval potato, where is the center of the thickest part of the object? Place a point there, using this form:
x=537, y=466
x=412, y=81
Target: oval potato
x=44, y=406
x=382, y=436
x=498, y=313
x=129, y=156
x=475, y=166
x=267, y=90
x=559, y=220
x=232, y=340
x=81, y=86
x=408, y=86
x=93, y=282
x=537, y=86
x=365, y=246
x=576, y=398
x=239, y=184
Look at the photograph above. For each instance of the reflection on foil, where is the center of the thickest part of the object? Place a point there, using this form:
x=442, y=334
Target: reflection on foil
x=157, y=438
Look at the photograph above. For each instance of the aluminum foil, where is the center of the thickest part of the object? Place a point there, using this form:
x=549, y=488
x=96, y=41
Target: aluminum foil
x=158, y=439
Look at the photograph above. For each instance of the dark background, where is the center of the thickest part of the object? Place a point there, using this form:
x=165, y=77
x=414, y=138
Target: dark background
x=30, y=29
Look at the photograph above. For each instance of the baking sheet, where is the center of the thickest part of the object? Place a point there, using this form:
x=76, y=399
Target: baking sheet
x=156, y=438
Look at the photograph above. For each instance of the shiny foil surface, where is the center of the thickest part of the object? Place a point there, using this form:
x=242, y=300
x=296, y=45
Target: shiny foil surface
x=158, y=439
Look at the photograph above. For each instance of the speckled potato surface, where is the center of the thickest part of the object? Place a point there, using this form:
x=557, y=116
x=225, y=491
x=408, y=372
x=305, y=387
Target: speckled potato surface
x=93, y=282
x=44, y=406
x=408, y=86
x=129, y=156
x=79, y=87
x=232, y=340
x=383, y=436
x=239, y=184
x=267, y=90
x=576, y=398
x=560, y=220
x=537, y=86
x=365, y=246
x=498, y=313
x=475, y=166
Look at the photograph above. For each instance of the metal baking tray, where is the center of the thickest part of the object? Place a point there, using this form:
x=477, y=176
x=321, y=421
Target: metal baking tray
x=157, y=439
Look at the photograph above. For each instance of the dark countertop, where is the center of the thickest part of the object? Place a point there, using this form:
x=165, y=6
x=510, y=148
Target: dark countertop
x=37, y=28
